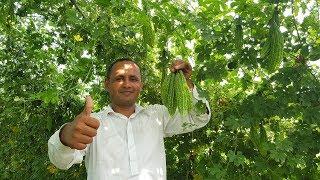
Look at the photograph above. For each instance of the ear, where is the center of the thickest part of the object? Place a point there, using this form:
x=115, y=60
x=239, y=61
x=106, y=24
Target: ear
x=106, y=84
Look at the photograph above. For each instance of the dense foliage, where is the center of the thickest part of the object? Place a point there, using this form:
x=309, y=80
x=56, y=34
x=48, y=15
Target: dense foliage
x=266, y=111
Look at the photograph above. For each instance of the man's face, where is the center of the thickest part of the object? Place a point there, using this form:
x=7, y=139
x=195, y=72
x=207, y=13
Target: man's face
x=124, y=84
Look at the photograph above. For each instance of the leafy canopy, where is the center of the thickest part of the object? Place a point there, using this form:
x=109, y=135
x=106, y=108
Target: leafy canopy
x=265, y=121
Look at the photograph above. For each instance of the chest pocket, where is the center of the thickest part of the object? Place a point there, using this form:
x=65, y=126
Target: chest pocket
x=110, y=145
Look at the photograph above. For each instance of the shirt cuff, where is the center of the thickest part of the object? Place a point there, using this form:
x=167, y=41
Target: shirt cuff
x=56, y=142
x=197, y=98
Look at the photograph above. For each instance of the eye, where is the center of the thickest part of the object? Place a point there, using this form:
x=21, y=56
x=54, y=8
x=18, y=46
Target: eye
x=118, y=79
x=134, y=79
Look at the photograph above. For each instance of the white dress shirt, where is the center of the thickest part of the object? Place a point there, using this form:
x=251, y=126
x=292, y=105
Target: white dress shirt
x=128, y=148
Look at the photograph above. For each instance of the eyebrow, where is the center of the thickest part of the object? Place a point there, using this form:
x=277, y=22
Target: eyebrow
x=130, y=76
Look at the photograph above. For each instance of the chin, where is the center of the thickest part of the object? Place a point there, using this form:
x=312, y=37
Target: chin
x=128, y=103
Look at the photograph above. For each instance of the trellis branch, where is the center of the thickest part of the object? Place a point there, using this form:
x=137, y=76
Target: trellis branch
x=74, y=3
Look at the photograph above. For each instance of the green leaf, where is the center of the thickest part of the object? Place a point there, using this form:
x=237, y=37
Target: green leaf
x=315, y=53
x=48, y=96
x=103, y=3
x=278, y=156
x=49, y=123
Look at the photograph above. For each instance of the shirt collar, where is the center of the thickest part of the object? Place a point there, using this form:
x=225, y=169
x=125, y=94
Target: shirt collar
x=138, y=108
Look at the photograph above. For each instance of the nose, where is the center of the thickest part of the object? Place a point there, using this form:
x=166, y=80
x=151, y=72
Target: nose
x=127, y=83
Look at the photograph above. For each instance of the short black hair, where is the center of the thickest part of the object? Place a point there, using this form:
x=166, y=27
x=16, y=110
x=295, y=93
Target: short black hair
x=110, y=67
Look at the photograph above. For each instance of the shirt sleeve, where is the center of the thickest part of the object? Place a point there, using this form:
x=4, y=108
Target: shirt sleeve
x=179, y=124
x=63, y=157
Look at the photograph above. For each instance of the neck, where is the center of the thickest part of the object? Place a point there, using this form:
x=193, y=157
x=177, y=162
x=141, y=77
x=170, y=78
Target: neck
x=125, y=110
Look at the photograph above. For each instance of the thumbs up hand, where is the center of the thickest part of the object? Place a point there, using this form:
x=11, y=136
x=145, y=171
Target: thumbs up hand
x=89, y=106
x=81, y=131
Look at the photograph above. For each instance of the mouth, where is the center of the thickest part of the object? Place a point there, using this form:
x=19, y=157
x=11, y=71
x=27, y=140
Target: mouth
x=126, y=92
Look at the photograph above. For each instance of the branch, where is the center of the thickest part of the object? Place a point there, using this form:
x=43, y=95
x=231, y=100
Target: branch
x=73, y=2
x=294, y=22
x=317, y=3
x=76, y=86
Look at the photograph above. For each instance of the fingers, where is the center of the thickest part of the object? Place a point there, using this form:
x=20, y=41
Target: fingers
x=176, y=65
x=88, y=106
x=89, y=131
x=77, y=134
x=82, y=133
x=181, y=65
x=82, y=129
x=92, y=122
x=83, y=139
x=79, y=146
x=83, y=120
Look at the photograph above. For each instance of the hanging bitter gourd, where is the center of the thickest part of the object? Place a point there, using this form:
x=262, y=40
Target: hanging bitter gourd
x=175, y=93
x=238, y=35
x=272, y=52
x=171, y=96
x=183, y=95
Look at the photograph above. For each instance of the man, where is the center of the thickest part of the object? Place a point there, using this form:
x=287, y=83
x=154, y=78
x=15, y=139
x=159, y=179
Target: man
x=124, y=141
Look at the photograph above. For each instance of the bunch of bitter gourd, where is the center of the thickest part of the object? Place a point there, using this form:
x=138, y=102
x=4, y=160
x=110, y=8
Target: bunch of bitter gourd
x=175, y=93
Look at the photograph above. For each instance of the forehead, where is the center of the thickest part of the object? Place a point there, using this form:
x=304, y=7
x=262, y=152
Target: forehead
x=125, y=68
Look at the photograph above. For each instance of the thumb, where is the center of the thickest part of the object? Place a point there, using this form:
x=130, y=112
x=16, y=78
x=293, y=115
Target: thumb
x=89, y=106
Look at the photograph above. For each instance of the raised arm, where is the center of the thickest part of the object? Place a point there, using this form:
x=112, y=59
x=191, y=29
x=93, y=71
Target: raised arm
x=178, y=123
x=68, y=145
